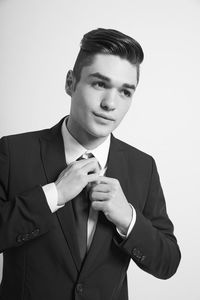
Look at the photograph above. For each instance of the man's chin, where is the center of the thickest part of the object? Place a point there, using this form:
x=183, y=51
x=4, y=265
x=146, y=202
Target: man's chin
x=103, y=133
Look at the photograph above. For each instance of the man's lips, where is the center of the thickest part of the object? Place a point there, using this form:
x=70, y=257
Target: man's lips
x=104, y=117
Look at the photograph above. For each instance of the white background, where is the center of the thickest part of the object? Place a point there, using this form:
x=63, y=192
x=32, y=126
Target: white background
x=39, y=41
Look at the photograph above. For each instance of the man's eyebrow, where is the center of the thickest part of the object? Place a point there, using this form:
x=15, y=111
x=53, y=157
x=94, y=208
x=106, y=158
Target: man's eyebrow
x=100, y=76
x=105, y=78
x=129, y=86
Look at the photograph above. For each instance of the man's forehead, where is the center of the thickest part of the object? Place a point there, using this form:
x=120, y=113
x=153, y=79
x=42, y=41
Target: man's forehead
x=112, y=67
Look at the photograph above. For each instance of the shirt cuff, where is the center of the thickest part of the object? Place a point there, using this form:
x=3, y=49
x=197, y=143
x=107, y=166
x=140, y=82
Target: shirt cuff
x=51, y=194
x=124, y=236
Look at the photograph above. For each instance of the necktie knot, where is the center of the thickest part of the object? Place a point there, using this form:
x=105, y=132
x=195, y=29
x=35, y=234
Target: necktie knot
x=85, y=155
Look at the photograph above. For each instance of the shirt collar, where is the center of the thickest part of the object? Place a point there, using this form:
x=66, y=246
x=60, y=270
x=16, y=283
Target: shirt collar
x=73, y=149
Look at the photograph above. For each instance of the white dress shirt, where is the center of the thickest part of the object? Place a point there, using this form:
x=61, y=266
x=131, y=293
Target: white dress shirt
x=73, y=150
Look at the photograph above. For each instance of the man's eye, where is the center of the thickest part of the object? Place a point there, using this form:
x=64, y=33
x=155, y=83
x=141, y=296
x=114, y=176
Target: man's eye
x=126, y=93
x=99, y=84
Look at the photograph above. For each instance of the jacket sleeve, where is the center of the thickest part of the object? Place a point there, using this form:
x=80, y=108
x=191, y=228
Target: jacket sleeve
x=25, y=216
x=151, y=243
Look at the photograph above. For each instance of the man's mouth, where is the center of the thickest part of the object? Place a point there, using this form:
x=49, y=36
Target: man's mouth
x=105, y=117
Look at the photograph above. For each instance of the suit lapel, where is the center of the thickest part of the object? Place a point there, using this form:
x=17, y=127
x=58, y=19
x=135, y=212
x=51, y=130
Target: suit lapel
x=53, y=157
x=52, y=152
x=66, y=218
x=117, y=163
x=116, y=168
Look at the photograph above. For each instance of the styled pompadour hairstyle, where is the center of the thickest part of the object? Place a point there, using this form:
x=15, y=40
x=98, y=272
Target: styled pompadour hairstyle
x=110, y=42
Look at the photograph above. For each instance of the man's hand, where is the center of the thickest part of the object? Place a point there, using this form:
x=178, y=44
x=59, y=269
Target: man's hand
x=107, y=196
x=75, y=177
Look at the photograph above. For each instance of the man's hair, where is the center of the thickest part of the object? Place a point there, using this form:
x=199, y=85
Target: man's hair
x=110, y=42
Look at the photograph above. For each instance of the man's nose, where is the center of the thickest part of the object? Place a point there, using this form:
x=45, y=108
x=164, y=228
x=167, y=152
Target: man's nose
x=108, y=101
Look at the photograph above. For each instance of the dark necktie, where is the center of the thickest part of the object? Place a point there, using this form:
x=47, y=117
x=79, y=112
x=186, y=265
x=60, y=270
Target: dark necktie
x=81, y=212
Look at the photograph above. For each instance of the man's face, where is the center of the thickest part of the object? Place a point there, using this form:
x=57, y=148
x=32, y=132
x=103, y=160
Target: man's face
x=101, y=98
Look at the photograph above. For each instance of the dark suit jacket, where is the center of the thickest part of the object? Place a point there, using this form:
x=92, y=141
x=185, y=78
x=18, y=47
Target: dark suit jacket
x=40, y=250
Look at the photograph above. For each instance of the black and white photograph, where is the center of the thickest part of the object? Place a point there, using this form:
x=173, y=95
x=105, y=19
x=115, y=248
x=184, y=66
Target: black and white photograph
x=99, y=150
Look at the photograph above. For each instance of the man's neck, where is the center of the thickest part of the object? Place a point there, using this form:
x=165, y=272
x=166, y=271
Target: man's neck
x=87, y=140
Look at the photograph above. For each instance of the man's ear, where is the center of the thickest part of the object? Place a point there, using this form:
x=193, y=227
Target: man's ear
x=70, y=83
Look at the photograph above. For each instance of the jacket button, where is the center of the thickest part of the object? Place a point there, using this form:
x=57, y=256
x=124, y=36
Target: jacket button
x=142, y=258
x=35, y=232
x=19, y=238
x=135, y=252
x=79, y=288
x=25, y=237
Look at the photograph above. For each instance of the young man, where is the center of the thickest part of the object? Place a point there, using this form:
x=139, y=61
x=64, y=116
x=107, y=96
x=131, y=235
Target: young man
x=76, y=204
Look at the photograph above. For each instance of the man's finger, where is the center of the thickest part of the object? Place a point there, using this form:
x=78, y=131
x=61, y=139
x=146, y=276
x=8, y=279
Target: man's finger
x=84, y=161
x=99, y=206
x=94, y=177
x=107, y=180
x=100, y=187
x=98, y=196
x=91, y=166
